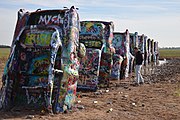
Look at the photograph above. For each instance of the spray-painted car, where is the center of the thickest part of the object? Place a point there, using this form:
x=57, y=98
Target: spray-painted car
x=117, y=57
x=152, y=50
x=141, y=43
x=133, y=41
x=42, y=68
x=96, y=36
x=121, y=44
x=149, y=50
x=156, y=52
x=106, y=62
x=133, y=44
x=146, y=52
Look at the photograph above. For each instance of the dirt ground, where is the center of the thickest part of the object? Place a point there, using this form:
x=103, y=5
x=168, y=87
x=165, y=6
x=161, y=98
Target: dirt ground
x=157, y=99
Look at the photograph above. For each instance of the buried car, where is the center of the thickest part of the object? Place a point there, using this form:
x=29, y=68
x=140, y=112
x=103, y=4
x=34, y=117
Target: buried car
x=122, y=47
x=42, y=69
x=95, y=68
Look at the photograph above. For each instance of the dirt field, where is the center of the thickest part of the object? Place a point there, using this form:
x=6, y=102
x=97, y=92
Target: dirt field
x=157, y=99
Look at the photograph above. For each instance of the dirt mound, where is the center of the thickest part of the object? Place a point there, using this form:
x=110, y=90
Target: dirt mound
x=165, y=73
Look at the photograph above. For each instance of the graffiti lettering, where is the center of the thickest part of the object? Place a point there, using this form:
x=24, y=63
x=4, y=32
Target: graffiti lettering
x=91, y=28
x=38, y=38
x=82, y=37
x=41, y=66
x=49, y=19
x=89, y=68
x=91, y=43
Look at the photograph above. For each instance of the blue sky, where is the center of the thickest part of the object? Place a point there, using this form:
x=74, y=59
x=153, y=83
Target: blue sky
x=158, y=19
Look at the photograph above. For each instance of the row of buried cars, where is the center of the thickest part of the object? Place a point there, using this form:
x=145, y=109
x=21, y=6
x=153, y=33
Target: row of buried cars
x=54, y=54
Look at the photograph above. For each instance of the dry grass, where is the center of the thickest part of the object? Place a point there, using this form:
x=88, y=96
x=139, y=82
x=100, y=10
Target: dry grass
x=4, y=52
x=169, y=53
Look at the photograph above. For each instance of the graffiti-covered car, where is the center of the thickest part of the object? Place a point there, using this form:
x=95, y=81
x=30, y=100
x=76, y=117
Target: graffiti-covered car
x=95, y=67
x=152, y=50
x=122, y=47
x=42, y=69
x=149, y=50
x=133, y=44
x=156, y=52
